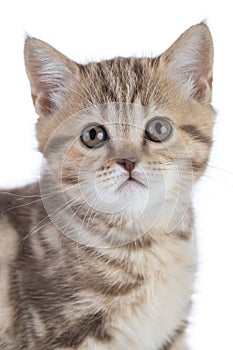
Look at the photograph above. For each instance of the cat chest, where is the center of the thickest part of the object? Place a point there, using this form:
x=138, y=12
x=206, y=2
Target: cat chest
x=147, y=317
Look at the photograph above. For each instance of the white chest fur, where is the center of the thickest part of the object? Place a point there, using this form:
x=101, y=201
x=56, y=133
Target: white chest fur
x=148, y=317
x=153, y=314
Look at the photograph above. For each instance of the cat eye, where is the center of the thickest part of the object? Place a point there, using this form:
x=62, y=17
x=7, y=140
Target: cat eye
x=158, y=129
x=94, y=136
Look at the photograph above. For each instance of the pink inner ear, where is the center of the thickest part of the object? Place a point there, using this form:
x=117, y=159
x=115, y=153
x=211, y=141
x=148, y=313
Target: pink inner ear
x=202, y=90
x=42, y=98
x=47, y=106
x=189, y=61
x=49, y=89
x=51, y=76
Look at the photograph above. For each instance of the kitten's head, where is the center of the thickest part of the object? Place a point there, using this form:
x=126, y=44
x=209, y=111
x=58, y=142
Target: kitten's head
x=124, y=139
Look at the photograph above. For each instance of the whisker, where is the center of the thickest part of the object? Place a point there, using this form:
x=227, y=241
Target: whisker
x=21, y=196
x=41, y=197
x=46, y=220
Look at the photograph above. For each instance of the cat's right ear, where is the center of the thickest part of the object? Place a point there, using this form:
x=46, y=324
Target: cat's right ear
x=51, y=76
x=189, y=62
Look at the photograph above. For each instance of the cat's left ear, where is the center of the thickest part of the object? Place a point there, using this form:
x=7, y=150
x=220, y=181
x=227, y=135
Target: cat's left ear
x=189, y=61
x=51, y=76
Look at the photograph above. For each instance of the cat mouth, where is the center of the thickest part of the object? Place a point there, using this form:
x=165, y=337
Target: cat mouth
x=131, y=181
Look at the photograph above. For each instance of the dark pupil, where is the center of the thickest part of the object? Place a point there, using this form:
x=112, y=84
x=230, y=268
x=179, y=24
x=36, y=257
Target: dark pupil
x=92, y=134
x=158, y=127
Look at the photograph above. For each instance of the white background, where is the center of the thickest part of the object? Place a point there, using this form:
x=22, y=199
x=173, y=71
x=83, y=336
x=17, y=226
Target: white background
x=86, y=30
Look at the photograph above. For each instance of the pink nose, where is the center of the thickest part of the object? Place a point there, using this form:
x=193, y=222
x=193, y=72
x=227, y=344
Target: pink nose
x=128, y=164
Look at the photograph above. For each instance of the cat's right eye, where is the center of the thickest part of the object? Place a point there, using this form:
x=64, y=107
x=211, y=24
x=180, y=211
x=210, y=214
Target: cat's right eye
x=158, y=129
x=94, y=136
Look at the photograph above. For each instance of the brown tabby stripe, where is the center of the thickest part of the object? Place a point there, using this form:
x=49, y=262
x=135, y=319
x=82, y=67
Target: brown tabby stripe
x=92, y=253
x=195, y=133
x=143, y=242
x=96, y=281
x=16, y=206
x=56, y=143
x=199, y=166
x=90, y=325
x=114, y=289
x=185, y=236
x=179, y=332
x=120, y=80
x=70, y=180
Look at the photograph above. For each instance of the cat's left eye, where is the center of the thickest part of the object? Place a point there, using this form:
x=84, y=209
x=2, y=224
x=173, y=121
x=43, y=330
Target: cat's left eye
x=158, y=129
x=94, y=136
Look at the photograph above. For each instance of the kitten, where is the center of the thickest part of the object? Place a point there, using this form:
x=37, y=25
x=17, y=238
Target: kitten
x=100, y=254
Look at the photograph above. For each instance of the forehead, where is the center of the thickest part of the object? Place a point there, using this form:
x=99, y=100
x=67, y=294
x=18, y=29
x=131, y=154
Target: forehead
x=125, y=92
x=118, y=80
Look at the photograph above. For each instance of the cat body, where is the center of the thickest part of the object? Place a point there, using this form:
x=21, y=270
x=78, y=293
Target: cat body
x=136, y=296
x=101, y=253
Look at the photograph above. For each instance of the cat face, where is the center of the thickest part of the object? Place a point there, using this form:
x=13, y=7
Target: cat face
x=125, y=139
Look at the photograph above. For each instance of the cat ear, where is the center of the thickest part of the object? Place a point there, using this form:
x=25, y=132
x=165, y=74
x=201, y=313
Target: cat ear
x=51, y=75
x=189, y=61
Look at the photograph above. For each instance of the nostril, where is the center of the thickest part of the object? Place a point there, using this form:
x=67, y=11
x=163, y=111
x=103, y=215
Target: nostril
x=128, y=164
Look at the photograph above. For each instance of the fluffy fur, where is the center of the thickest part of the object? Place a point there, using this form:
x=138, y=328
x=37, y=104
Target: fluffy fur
x=100, y=254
